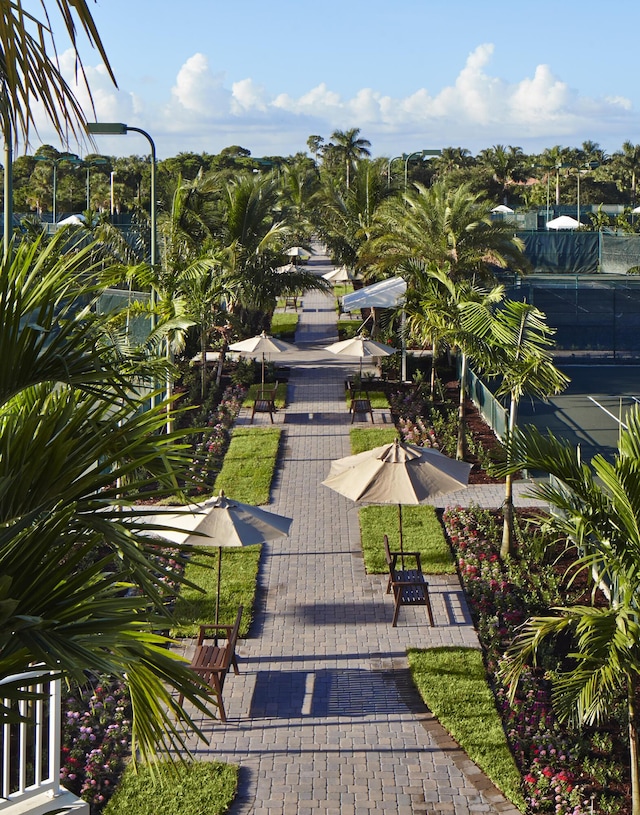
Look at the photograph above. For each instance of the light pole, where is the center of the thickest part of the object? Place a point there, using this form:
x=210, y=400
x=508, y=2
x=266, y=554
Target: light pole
x=589, y=165
x=389, y=169
x=407, y=158
x=71, y=158
x=120, y=129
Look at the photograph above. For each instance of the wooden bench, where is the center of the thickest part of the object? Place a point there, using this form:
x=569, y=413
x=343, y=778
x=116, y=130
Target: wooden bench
x=408, y=585
x=212, y=661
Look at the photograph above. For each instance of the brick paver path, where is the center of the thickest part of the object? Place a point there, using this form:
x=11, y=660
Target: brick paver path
x=323, y=718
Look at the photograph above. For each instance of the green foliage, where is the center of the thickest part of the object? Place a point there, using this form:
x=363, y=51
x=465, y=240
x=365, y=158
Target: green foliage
x=421, y=532
x=347, y=329
x=249, y=464
x=453, y=684
x=196, y=788
x=244, y=372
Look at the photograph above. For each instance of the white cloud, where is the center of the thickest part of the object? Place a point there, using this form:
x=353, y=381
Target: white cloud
x=203, y=113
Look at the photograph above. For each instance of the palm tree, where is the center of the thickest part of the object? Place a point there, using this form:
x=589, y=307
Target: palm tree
x=444, y=225
x=314, y=143
x=626, y=166
x=598, y=508
x=351, y=147
x=71, y=398
x=519, y=340
x=506, y=165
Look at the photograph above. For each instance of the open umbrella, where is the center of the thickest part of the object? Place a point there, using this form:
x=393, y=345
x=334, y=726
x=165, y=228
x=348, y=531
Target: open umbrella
x=361, y=347
x=397, y=473
x=341, y=275
x=262, y=344
x=220, y=522
x=298, y=252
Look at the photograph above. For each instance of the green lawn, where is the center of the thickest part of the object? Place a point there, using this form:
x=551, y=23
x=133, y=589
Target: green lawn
x=239, y=573
x=249, y=464
x=197, y=788
x=366, y=438
x=453, y=684
x=421, y=532
x=284, y=324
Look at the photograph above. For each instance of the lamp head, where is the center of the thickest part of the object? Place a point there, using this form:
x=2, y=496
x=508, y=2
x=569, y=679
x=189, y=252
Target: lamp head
x=106, y=128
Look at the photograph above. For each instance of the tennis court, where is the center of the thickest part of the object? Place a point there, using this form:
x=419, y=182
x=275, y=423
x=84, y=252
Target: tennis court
x=592, y=409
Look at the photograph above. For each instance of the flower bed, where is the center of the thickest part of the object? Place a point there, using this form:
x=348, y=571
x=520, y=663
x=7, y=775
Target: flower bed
x=556, y=761
x=214, y=442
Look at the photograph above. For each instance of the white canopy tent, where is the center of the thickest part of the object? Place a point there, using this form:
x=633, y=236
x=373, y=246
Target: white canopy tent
x=385, y=294
x=563, y=222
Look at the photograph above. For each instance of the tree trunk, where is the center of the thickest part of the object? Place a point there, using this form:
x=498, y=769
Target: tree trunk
x=633, y=747
x=507, y=507
x=432, y=383
x=461, y=448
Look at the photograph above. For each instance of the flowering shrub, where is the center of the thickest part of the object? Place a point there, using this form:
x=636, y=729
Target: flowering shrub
x=96, y=739
x=215, y=440
x=502, y=596
x=417, y=432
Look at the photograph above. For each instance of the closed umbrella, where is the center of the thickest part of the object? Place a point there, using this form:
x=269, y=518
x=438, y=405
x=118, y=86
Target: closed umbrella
x=397, y=473
x=220, y=522
x=262, y=344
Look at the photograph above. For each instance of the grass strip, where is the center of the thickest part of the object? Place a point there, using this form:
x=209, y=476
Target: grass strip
x=378, y=399
x=453, y=684
x=248, y=467
x=366, y=438
x=284, y=324
x=239, y=574
x=348, y=328
x=421, y=532
x=254, y=391
x=197, y=788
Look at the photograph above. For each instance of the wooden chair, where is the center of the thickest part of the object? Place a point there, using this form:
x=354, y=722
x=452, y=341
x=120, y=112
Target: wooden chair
x=212, y=662
x=265, y=402
x=360, y=403
x=409, y=586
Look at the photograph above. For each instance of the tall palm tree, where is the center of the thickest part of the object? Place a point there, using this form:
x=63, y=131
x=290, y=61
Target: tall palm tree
x=598, y=507
x=626, y=166
x=506, y=165
x=72, y=434
x=444, y=225
x=520, y=340
x=351, y=147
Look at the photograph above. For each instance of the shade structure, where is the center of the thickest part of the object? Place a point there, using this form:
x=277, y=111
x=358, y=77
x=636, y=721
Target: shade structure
x=298, y=252
x=341, y=275
x=262, y=344
x=502, y=209
x=286, y=269
x=360, y=347
x=397, y=473
x=220, y=521
x=385, y=294
x=563, y=222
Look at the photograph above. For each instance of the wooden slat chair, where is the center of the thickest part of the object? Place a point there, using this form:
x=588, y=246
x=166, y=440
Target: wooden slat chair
x=212, y=661
x=265, y=402
x=409, y=586
x=360, y=403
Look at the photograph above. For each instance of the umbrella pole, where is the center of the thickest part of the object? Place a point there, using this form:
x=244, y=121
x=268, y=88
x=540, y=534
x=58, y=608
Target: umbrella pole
x=400, y=533
x=218, y=586
x=262, y=394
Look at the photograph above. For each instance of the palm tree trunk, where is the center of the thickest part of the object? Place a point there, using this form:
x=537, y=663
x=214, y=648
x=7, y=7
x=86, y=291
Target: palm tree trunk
x=633, y=746
x=461, y=448
x=432, y=383
x=507, y=507
x=203, y=364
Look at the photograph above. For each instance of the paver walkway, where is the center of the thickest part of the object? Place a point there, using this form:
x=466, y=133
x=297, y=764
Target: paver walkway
x=323, y=718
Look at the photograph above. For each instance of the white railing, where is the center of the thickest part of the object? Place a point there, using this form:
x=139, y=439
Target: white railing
x=31, y=747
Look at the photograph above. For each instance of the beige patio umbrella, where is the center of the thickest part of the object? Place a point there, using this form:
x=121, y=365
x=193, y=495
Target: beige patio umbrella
x=361, y=347
x=397, y=473
x=298, y=252
x=219, y=521
x=262, y=344
x=341, y=275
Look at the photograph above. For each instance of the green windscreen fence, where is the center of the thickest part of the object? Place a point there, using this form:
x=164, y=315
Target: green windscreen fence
x=577, y=252
x=590, y=313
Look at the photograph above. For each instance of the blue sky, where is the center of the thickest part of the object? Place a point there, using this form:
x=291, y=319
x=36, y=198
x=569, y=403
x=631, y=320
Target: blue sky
x=411, y=74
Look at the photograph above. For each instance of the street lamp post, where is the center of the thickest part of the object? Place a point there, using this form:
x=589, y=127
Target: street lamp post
x=71, y=158
x=389, y=169
x=120, y=129
x=589, y=165
x=408, y=157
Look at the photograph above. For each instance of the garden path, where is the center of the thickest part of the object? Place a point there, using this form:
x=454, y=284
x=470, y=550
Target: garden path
x=323, y=717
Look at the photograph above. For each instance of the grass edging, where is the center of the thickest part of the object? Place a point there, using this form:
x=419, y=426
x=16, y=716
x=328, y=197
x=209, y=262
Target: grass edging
x=366, y=438
x=421, y=532
x=248, y=467
x=453, y=684
x=205, y=787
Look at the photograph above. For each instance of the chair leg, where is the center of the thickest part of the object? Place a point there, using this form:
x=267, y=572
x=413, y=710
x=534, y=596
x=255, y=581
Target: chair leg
x=427, y=600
